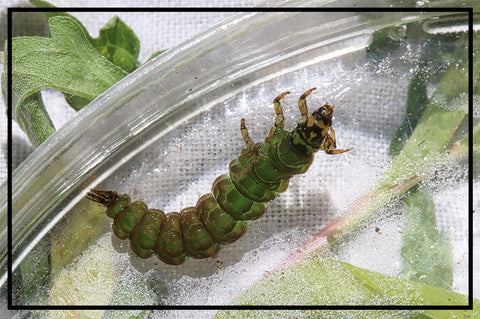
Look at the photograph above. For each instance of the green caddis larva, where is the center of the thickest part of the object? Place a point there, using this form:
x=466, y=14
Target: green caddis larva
x=257, y=176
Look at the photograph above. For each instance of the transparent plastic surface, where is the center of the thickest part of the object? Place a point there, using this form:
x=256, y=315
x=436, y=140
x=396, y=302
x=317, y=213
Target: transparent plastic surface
x=165, y=132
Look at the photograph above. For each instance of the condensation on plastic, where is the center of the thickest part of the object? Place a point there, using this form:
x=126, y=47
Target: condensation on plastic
x=247, y=60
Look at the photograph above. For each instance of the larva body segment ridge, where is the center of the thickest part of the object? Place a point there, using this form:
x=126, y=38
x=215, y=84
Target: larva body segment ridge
x=256, y=177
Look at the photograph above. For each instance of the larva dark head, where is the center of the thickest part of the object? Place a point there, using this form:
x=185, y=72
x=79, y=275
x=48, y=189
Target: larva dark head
x=103, y=197
x=324, y=114
x=313, y=130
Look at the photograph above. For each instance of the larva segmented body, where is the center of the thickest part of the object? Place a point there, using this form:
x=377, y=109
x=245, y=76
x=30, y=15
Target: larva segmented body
x=257, y=176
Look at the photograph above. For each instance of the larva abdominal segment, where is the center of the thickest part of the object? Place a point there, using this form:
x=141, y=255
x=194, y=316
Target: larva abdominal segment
x=257, y=176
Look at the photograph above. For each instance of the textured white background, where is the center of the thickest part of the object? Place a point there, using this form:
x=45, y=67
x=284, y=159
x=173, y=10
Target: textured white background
x=154, y=35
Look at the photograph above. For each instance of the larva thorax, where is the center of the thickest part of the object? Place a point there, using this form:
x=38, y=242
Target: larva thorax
x=257, y=176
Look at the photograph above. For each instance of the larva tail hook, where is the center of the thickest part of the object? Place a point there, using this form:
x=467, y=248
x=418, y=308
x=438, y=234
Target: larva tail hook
x=102, y=197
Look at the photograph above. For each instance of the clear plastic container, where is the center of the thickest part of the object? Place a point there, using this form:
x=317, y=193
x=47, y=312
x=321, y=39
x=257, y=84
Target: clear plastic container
x=167, y=130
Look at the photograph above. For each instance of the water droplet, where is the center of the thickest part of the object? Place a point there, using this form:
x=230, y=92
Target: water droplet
x=423, y=4
x=398, y=32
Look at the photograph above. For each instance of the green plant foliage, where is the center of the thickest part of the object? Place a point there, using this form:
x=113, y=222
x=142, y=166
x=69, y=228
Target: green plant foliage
x=325, y=281
x=66, y=61
x=70, y=61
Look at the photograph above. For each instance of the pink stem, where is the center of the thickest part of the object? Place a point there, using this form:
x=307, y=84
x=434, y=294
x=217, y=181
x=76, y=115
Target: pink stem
x=352, y=217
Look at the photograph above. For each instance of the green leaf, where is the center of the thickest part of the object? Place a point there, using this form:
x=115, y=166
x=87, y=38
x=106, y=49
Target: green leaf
x=325, y=281
x=76, y=102
x=383, y=43
x=116, y=42
x=438, y=122
x=430, y=138
x=75, y=241
x=426, y=252
x=417, y=101
x=73, y=235
x=156, y=54
x=66, y=62
x=34, y=279
x=119, y=44
x=454, y=83
x=78, y=283
x=318, y=281
x=33, y=119
x=462, y=144
x=415, y=293
x=50, y=14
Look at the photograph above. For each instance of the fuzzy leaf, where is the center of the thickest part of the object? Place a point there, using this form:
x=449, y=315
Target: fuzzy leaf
x=50, y=14
x=76, y=102
x=324, y=281
x=417, y=101
x=79, y=282
x=119, y=44
x=415, y=293
x=116, y=42
x=66, y=61
x=430, y=138
x=426, y=252
x=156, y=54
x=33, y=119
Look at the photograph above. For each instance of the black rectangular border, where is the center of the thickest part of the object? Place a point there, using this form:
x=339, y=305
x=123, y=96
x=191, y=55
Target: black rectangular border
x=469, y=306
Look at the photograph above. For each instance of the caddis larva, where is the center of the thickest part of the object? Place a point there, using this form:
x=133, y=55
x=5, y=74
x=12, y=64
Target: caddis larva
x=257, y=176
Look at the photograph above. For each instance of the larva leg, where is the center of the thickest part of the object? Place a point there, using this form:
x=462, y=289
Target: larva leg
x=245, y=135
x=330, y=144
x=279, y=119
x=302, y=105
